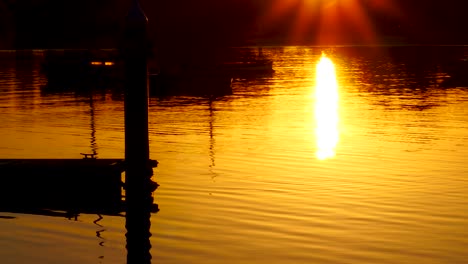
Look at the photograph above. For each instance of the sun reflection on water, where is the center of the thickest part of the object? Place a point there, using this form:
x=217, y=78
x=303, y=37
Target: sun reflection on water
x=326, y=109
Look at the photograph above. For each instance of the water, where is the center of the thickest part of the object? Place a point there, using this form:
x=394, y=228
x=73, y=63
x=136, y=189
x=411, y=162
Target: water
x=367, y=165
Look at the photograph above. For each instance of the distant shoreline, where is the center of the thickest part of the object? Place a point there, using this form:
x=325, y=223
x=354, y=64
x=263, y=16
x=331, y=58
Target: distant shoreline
x=253, y=47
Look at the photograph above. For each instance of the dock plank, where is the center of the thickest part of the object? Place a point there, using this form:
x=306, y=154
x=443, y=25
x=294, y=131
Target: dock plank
x=86, y=185
x=61, y=183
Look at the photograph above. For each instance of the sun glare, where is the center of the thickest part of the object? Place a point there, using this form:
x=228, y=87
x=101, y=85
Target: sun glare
x=326, y=109
x=330, y=21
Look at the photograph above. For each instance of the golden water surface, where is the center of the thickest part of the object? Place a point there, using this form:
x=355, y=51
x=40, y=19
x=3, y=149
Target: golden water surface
x=337, y=157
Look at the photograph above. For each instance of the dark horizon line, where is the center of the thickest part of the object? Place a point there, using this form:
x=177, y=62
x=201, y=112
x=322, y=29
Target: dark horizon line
x=269, y=45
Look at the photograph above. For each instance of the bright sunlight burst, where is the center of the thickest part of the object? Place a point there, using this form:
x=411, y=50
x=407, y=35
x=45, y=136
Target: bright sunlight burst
x=331, y=21
x=326, y=109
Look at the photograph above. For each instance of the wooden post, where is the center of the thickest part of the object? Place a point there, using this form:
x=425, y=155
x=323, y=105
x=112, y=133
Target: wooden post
x=138, y=183
x=135, y=52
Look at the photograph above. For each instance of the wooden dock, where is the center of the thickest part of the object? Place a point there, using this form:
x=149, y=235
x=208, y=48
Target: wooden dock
x=78, y=184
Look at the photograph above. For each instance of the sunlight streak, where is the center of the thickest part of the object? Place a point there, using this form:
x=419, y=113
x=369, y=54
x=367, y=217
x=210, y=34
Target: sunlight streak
x=326, y=109
x=330, y=22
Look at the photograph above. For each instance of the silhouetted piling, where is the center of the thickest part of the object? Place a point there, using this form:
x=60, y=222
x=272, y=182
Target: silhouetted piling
x=136, y=98
x=138, y=184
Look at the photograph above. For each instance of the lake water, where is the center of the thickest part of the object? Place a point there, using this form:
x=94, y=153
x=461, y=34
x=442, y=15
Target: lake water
x=364, y=162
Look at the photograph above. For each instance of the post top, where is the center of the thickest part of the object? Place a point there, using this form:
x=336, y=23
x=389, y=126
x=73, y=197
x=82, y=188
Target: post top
x=136, y=14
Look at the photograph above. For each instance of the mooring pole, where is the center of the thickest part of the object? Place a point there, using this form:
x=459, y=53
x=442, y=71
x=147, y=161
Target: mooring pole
x=135, y=53
x=138, y=183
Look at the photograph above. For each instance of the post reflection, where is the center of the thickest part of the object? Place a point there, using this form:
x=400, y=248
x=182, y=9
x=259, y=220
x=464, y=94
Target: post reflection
x=138, y=222
x=326, y=109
